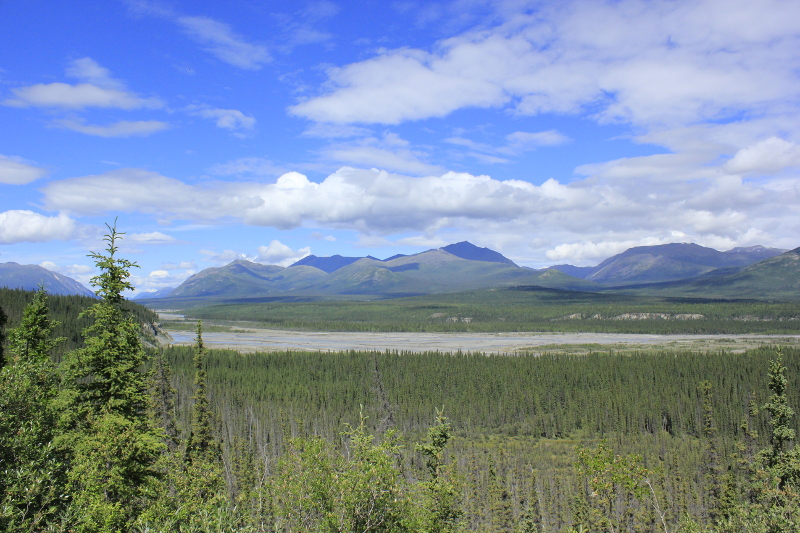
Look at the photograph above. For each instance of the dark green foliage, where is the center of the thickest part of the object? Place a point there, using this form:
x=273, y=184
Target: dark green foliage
x=108, y=434
x=31, y=473
x=711, y=469
x=3, y=320
x=68, y=315
x=201, y=444
x=361, y=489
x=517, y=309
x=162, y=400
x=441, y=495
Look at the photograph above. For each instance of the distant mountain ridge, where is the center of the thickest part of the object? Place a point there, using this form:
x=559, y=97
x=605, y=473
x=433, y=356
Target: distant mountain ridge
x=29, y=277
x=667, y=262
x=460, y=266
x=327, y=264
x=463, y=249
x=774, y=278
x=670, y=269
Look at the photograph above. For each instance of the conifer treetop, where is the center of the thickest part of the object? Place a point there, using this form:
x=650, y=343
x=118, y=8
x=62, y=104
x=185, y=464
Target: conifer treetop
x=114, y=273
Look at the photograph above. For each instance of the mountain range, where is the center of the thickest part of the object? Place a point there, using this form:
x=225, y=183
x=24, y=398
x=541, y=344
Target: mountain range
x=461, y=266
x=667, y=262
x=680, y=269
x=672, y=269
x=29, y=277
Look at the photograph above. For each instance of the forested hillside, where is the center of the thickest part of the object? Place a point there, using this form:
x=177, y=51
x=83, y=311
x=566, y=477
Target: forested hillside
x=65, y=312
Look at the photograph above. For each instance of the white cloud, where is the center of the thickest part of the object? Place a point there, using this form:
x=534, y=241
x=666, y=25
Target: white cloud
x=279, y=254
x=78, y=96
x=516, y=144
x=27, y=226
x=525, y=140
x=153, y=237
x=229, y=119
x=17, y=171
x=767, y=157
x=123, y=128
x=334, y=131
x=90, y=71
x=226, y=256
x=649, y=199
x=224, y=44
x=129, y=190
x=581, y=251
x=97, y=90
x=389, y=152
x=648, y=63
x=183, y=265
x=322, y=237
x=254, y=166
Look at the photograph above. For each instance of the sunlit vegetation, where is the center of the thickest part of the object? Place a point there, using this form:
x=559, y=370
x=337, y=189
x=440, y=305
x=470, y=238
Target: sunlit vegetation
x=518, y=309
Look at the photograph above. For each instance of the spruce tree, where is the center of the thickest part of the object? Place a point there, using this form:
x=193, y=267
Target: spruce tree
x=31, y=475
x=442, y=495
x=109, y=436
x=201, y=444
x=712, y=473
x=201, y=487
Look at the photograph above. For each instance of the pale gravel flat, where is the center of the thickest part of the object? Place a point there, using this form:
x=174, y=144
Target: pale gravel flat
x=254, y=340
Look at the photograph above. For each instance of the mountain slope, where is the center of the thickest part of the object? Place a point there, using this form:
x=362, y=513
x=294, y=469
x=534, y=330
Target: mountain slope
x=326, y=264
x=667, y=262
x=467, y=250
x=424, y=273
x=28, y=277
x=777, y=278
x=246, y=279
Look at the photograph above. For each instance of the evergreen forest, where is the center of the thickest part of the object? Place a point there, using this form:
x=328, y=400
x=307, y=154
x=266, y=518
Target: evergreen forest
x=524, y=308
x=101, y=430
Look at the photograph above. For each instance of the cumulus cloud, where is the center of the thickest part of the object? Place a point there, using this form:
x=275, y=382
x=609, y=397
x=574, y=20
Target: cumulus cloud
x=608, y=205
x=224, y=44
x=123, y=128
x=277, y=253
x=27, y=226
x=97, y=90
x=648, y=63
x=635, y=201
x=17, y=171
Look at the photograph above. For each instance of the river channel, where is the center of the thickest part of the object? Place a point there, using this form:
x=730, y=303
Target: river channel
x=252, y=340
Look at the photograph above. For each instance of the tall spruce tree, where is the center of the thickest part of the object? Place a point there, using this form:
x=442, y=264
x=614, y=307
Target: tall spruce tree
x=201, y=444
x=109, y=436
x=712, y=471
x=201, y=487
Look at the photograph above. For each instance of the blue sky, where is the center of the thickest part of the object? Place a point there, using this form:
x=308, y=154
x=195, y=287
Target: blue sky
x=553, y=132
